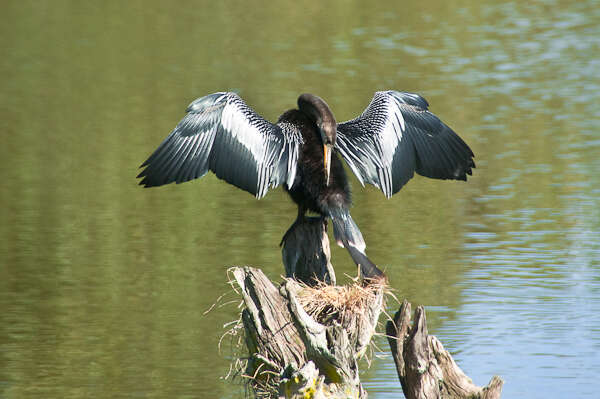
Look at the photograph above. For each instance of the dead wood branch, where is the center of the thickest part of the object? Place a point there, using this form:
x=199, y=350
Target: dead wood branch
x=286, y=343
x=424, y=367
x=306, y=254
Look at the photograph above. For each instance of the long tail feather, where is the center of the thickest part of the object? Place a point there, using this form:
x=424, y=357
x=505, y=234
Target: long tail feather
x=348, y=235
x=344, y=229
x=367, y=268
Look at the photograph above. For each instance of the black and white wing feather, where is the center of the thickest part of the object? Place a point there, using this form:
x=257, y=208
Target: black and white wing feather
x=396, y=136
x=221, y=133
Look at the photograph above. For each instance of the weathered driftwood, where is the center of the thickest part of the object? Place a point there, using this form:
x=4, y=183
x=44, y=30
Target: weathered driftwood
x=305, y=337
x=272, y=340
x=291, y=353
x=306, y=254
x=424, y=367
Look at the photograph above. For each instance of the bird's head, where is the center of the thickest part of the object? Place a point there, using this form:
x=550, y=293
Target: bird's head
x=321, y=115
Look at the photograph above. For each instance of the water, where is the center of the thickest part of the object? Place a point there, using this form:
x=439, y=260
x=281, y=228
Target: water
x=103, y=285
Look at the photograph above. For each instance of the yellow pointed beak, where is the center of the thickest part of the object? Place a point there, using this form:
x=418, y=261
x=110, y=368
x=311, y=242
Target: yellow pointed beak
x=327, y=160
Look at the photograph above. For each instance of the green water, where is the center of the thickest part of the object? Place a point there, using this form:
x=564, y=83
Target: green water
x=104, y=285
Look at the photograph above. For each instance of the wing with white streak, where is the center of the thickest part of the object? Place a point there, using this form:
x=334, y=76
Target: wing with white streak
x=221, y=133
x=396, y=136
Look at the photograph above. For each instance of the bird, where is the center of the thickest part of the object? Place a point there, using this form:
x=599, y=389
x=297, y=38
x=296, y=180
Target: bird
x=395, y=137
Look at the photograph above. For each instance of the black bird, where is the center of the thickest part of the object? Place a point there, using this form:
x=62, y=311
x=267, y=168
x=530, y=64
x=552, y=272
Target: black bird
x=392, y=139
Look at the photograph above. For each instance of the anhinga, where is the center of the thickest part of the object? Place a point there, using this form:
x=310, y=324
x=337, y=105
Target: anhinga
x=392, y=139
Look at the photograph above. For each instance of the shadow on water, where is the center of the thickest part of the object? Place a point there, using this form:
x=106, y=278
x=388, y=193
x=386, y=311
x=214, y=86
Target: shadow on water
x=103, y=285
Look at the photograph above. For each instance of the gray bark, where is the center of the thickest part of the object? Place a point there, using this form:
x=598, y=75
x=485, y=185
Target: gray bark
x=306, y=254
x=290, y=352
x=294, y=354
x=425, y=369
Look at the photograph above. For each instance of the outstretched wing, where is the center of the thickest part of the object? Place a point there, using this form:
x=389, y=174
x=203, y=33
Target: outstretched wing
x=221, y=133
x=396, y=136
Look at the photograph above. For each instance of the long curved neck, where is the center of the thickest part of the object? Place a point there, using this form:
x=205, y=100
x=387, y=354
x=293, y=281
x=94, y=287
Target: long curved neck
x=319, y=112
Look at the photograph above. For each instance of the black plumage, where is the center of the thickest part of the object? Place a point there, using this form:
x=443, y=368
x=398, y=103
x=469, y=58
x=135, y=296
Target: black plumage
x=392, y=139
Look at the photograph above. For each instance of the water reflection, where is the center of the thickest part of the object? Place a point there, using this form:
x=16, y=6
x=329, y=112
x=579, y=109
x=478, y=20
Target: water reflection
x=103, y=285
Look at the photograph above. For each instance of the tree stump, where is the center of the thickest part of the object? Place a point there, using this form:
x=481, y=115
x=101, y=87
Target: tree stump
x=305, y=337
x=292, y=352
x=425, y=369
x=306, y=254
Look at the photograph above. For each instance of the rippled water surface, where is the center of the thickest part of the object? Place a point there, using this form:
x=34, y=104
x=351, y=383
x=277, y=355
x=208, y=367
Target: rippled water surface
x=104, y=285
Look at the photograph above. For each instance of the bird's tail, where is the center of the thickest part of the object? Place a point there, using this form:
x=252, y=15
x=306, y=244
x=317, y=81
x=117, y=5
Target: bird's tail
x=348, y=235
x=367, y=268
x=344, y=229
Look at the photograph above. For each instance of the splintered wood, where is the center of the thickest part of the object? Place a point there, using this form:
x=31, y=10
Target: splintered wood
x=425, y=369
x=288, y=345
x=304, y=338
